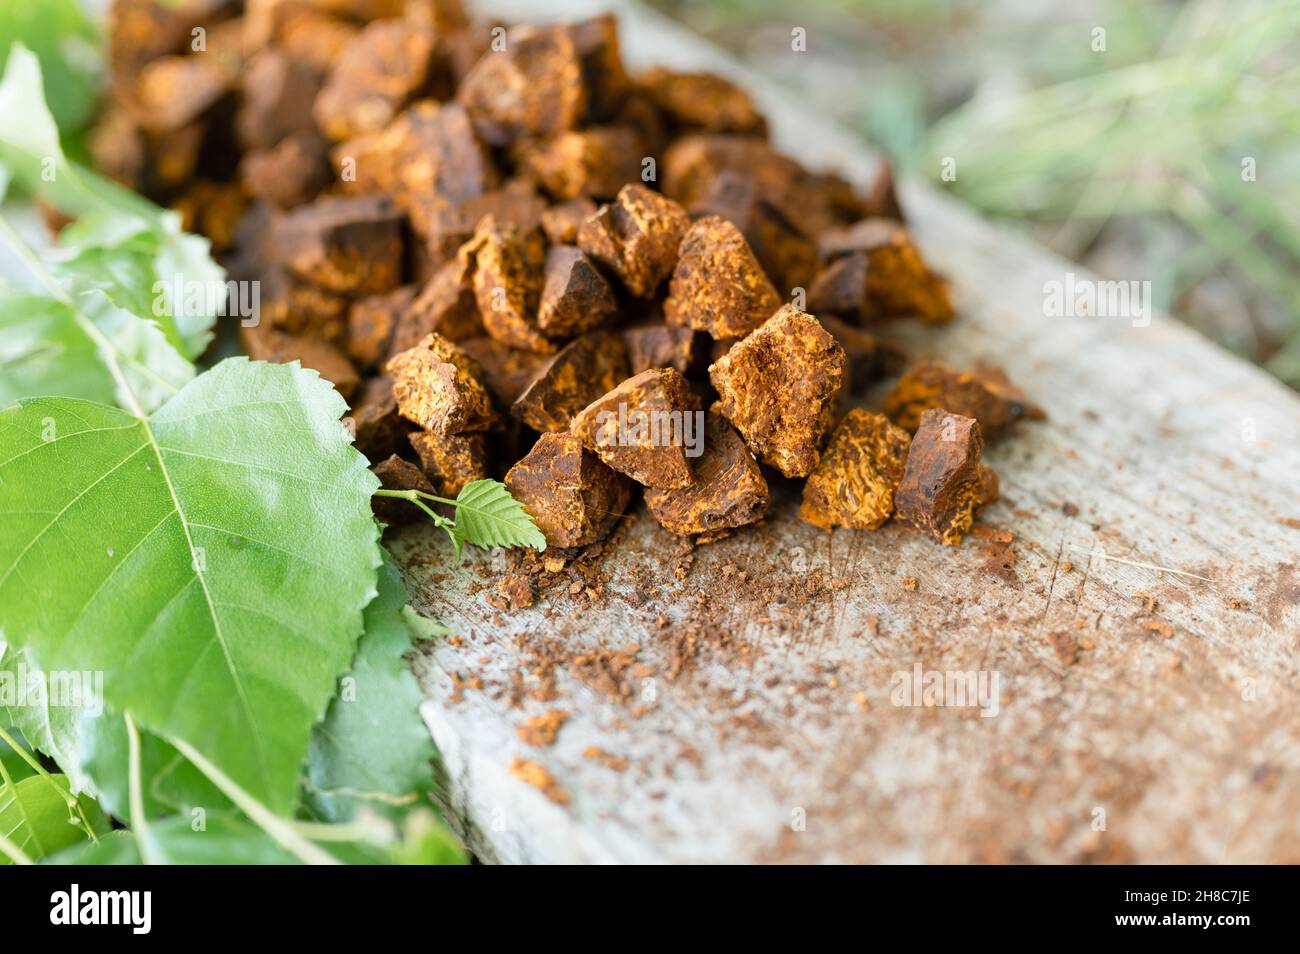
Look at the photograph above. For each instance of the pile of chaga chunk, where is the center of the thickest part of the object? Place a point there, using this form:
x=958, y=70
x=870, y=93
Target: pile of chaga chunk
x=513, y=257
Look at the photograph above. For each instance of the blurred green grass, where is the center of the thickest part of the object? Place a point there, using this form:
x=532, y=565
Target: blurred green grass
x=1128, y=158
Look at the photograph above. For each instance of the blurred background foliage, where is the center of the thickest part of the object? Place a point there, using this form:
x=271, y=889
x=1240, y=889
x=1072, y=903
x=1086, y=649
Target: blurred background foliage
x=1135, y=159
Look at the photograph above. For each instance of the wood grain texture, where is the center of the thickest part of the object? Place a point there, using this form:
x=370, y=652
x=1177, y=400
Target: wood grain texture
x=761, y=688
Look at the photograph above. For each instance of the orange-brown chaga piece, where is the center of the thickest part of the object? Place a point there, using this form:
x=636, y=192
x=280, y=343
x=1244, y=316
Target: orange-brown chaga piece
x=636, y=237
x=718, y=285
x=298, y=307
x=438, y=387
x=372, y=322
x=594, y=162
x=878, y=274
x=289, y=174
x=656, y=345
x=985, y=394
x=574, y=498
x=394, y=473
x=534, y=86
x=608, y=85
x=942, y=483
x=869, y=356
x=509, y=272
x=535, y=775
x=376, y=426
x=575, y=296
x=561, y=221
x=212, y=209
x=444, y=304
x=263, y=343
x=515, y=205
x=645, y=428
x=377, y=72
x=778, y=387
x=276, y=90
x=703, y=101
x=728, y=490
x=173, y=92
x=451, y=461
x=853, y=485
x=990, y=488
x=507, y=371
x=582, y=371
x=347, y=245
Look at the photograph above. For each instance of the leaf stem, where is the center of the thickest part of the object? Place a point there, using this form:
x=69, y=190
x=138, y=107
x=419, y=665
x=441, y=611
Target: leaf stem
x=64, y=791
x=135, y=797
x=14, y=853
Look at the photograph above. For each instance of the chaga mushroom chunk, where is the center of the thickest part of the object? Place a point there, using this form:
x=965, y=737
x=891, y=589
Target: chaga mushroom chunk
x=376, y=427
x=534, y=86
x=574, y=498
x=266, y=344
x=507, y=371
x=593, y=162
x=718, y=285
x=728, y=490
x=451, y=461
x=438, y=387
x=379, y=70
x=876, y=272
x=853, y=485
x=347, y=245
x=394, y=473
x=372, y=322
x=869, y=357
x=985, y=394
x=444, y=304
x=290, y=173
x=648, y=428
x=275, y=89
x=561, y=221
x=703, y=101
x=582, y=371
x=664, y=346
x=575, y=296
x=508, y=279
x=636, y=238
x=778, y=387
x=942, y=483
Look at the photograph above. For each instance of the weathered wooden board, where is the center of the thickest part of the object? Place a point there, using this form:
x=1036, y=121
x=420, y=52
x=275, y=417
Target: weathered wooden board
x=1143, y=715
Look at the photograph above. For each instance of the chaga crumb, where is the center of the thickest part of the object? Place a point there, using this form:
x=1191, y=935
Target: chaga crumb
x=582, y=371
x=778, y=387
x=636, y=238
x=986, y=395
x=509, y=273
x=376, y=73
x=1238, y=603
x=573, y=497
x=876, y=272
x=517, y=591
x=1065, y=647
x=728, y=489
x=575, y=296
x=438, y=387
x=910, y=584
x=718, y=285
x=643, y=427
x=541, y=730
x=941, y=482
x=853, y=485
x=1159, y=626
x=615, y=763
x=529, y=771
x=451, y=461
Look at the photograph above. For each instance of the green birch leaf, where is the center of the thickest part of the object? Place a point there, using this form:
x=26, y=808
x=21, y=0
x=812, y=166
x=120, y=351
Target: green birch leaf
x=34, y=816
x=213, y=559
x=48, y=719
x=68, y=46
x=223, y=840
x=44, y=351
x=487, y=516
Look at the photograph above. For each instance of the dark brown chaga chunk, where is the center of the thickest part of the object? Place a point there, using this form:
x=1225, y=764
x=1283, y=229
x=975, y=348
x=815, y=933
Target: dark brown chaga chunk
x=276, y=92
x=507, y=371
x=266, y=344
x=636, y=238
x=289, y=174
x=990, y=488
x=144, y=30
x=603, y=73
x=869, y=356
x=582, y=371
x=298, y=307
x=648, y=428
x=509, y=272
x=515, y=205
x=213, y=210
x=573, y=498
x=985, y=394
x=451, y=461
x=377, y=429
x=176, y=91
x=444, y=304
x=658, y=345
x=728, y=490
x=534, y=86
x=853, y=485
x=878, y=274
x=438, y=387
x=378, y=71
x=718, y=285
x=594, y=162
x=347, y=245
x=561, y=221
x=372, y=322
x=779, y=386
x=703, y=101
x=942, y=484
x=575, y=297
x=394, y=473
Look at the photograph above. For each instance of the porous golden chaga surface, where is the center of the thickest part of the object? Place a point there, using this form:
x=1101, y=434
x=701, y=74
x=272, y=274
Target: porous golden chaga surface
x=878, y=274
x=372, y=322
x=656, y=345
x=263, y=343
x=377, y=429
x=534, y=86
x=349, y=245
x=636, y=237
x=594, y=162
x=439, y=387
x=582, y=371
x=573, y=497
x=728, y=489
x=645, y=427
x=451, y=461
x=394, y=473
x=703, y=101
x=509, y=273
x=942, y=483
x=444, y=304
x=985, y=394
x=778, y=386
x=377, y=72
x=854, y=482
x=507, y=371
x=560, y=222
x=575, y=296
x=516, y=204
x=718, y=285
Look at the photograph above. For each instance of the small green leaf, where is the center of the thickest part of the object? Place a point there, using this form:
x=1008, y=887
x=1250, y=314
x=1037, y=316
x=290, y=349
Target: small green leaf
x=34, y=816
x=68, y=46
x=48, y=724
x=422, y=627
x=487, y=516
